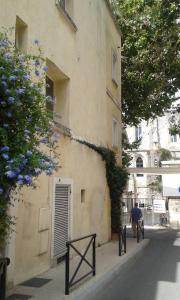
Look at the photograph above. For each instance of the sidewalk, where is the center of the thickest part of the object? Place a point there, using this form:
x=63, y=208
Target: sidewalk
x=108, y=264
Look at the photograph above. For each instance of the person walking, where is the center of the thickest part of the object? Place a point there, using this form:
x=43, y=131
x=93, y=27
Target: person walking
x=136, y=215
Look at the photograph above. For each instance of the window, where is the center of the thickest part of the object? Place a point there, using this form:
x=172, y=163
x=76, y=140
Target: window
x=83, y=196
x=49, y=95
x=21, y=34
x=114, y=67
x=115, y=133
x=139, y=162
x=174, y=138
x=138, y=133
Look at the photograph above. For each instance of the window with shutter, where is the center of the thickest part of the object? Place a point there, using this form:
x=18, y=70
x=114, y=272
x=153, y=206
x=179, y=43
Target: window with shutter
x=61, y=219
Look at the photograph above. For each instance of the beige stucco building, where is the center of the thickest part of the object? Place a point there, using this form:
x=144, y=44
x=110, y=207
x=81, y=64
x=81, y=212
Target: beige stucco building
x=82, y=46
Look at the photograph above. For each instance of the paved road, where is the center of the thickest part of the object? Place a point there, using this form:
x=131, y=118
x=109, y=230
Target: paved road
x=154, y=276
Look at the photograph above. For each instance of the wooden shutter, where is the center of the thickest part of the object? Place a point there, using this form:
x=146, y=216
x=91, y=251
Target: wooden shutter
x=61, y=219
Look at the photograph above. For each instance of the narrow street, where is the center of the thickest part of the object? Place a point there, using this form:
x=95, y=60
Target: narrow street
x=154, y=276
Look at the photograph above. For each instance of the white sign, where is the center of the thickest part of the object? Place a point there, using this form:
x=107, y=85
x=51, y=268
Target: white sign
x=159, y=206
x=171, y=185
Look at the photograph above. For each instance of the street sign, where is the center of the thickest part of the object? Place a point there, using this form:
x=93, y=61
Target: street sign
x=159, y=206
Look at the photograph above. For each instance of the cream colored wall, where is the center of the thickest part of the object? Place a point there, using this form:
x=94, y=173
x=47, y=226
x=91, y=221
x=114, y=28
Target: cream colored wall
x=82, y=76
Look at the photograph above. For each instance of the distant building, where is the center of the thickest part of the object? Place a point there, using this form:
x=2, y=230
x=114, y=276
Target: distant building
x=157, y=144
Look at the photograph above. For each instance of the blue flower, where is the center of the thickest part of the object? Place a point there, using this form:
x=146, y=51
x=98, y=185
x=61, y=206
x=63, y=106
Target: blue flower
x=17, y=70
x=10, y=161
x=20, y=177
x=12, y=78
x=9, y=114
x=37, y=171
x=3, y=77
x=49, y=171
x=44, y=140
x=3, y=43
x=5, y=156
x=27, y=178
x=29, y=153
x=20, y=182
x=29, y=119
x=5, y=148
x=42, y=163
x=36, y=41
x=37, y=128
x=19, y=91
x=24, y=162
x=5, y=125
x=1, y=68
x=10, y=174
x=25, y=77
x=7, y=167
x=37, y=62
x=45, y=68
x=18, y=170
x=4, y=83
x=21, y=156
x=37, y=72
x=7, y=92
x=26, y=131
x=3, y=103
x=11, y=100
x=1, y=191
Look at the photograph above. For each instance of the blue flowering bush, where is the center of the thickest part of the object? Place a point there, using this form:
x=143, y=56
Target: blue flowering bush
x=24, y=124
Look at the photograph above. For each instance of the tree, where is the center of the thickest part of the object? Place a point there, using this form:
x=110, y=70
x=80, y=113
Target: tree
x=24, y=125
x=150, y=56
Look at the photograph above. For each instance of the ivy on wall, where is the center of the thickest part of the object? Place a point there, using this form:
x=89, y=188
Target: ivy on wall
x=116, y=178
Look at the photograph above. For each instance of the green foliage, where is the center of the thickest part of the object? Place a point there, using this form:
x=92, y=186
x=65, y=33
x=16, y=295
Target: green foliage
x=127, y=147
x=116, y=178
x=156, y=185
x=150, y=56
x=24, y=124
x=174, y=121
x=165, y=154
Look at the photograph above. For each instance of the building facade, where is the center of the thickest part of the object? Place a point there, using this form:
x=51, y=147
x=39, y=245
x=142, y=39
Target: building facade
x=81, y=45
x=157, y=145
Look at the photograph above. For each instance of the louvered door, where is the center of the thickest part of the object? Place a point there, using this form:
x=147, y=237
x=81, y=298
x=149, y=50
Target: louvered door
x=61, y=219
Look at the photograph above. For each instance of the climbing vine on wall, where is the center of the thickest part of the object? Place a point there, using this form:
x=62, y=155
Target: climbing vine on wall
x=116, y=178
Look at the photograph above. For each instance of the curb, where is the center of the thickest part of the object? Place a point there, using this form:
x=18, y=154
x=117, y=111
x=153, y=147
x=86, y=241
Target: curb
x=100, y=281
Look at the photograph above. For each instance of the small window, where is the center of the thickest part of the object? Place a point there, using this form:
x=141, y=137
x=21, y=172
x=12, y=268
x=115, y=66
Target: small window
x=49, y=95
x=174, y=138
x=138, y=133
x=139, y=162
x=83, y=196
x=115, y=133
x=114, y=67
x=21, y=34
x=139, y=175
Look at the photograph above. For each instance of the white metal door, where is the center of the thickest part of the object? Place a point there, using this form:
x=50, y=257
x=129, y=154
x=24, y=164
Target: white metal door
x=61, y=219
